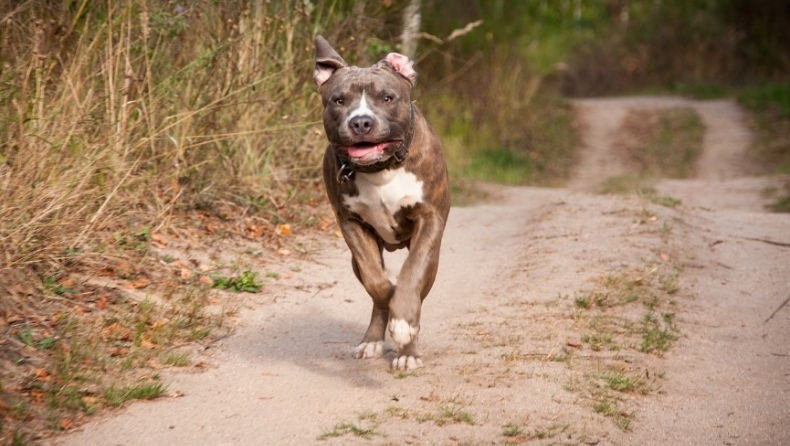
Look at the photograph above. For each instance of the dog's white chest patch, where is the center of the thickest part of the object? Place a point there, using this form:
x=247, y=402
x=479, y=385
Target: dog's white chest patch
x=381, y=196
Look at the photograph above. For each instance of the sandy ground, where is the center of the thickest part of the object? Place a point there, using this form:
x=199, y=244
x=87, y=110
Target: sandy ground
x=501, y=336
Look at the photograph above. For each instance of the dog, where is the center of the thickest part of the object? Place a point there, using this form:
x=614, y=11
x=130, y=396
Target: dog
x=386, y=179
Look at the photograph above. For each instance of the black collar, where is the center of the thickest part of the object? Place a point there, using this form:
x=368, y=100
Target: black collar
x=346, y=168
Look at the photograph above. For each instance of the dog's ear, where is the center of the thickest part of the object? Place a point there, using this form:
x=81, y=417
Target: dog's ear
x=402, y=65
x=327, y=61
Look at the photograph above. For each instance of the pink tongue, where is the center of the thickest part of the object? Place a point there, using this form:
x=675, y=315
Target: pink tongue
x=359, y=152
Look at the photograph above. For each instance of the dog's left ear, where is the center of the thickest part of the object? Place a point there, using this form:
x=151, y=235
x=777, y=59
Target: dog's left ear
x=402, y=65
x=327, y=61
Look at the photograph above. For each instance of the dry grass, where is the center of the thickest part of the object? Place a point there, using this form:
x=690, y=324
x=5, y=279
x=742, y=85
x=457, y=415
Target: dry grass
x=123, y=124
x=141, y=110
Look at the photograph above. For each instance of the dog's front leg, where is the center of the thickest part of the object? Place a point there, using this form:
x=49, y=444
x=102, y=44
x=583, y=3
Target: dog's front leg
x=414, y=282
x=368, y=266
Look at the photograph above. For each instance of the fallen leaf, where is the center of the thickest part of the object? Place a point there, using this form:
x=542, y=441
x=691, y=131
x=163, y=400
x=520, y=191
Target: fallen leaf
x=664, y=256
x=283, y=252
x=206, y=280
x=102, y=303
x=147, y=344
x=286, y=276
x=159, y=238
x=140, y=283
x=120, y=351
x=66, y=424
x=283, y=229
x=482, y=332
x=185, y=274
x=89, y=401
x=53, y=321
x=42, y=374
x=573, y=343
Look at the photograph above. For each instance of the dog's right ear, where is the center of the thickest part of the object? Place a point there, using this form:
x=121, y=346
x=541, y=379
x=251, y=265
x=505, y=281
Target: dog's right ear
x=327, y=61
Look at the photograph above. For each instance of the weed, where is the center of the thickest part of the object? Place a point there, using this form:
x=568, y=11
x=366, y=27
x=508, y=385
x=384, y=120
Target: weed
x=621, y=382
x=657, y=337
x=397, y=412
x=341, y=429
x=511, y=429
x=582, y=302
x=455, y=414
x=247, y=282
x=176, y=359
x=621, y=418
x=117, y=396
x=670, y=283
x=403, y=375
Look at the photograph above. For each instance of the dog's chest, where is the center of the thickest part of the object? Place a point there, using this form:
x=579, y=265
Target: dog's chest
x=381, y=195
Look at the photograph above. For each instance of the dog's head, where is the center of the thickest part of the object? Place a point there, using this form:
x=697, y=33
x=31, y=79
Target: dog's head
x=367, y=111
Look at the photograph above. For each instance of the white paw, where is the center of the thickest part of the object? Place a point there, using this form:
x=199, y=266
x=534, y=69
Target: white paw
x=402, y=333
x=406, y=363
x=368, y=350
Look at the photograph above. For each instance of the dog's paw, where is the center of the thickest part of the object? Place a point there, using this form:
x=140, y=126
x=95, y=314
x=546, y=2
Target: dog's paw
x=402, y=333
x=405, y=363
x=366, y=350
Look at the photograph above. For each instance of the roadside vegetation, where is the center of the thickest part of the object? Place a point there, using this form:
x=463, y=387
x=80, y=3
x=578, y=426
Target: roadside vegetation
x=132, y=129
x=770, y=121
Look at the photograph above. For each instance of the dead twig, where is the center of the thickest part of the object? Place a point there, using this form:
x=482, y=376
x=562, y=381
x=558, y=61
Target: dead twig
x=777, y=310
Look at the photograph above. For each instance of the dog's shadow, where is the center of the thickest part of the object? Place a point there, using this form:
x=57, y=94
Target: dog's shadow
x=318, y=341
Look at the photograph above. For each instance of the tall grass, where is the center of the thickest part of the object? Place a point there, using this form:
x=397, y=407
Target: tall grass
x=493, y=93
x=110, y=110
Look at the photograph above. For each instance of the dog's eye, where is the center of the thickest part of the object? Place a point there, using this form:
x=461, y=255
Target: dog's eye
x=388, y=98
x=339, y=101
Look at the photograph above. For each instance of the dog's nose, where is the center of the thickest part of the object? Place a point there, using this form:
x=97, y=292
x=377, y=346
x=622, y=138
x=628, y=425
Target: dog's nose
x=361, y=125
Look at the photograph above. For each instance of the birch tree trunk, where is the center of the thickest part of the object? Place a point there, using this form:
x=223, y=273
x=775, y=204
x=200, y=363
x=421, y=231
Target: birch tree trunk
x=411, y=28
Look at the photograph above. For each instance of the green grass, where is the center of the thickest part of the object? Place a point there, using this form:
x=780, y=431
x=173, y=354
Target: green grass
x=176, y=359
x=511, y=429
x=608, y=409
x=355, y=429
x=769, y=106
x=527, y=142
x=621, y=382
x=769, y=97
x=246, y=282
x=658, y=335
x=117, y=396
x=500, y=165
x=452, y=413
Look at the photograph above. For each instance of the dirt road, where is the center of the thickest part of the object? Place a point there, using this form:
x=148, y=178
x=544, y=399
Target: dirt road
x=542, y=313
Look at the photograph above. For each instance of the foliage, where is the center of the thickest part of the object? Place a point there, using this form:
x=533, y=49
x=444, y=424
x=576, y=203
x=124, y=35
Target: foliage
x=709, y=47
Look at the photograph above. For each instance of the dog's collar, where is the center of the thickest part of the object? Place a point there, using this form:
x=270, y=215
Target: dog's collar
x=346, y=167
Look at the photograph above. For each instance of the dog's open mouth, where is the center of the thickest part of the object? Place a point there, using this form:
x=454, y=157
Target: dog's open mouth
x=368, y=152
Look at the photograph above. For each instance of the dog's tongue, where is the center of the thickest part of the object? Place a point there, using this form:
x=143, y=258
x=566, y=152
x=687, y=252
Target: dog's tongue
x=362, y=151
x=359, y=151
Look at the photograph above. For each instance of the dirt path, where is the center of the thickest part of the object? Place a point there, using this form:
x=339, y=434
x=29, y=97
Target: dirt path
x=503, y=333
